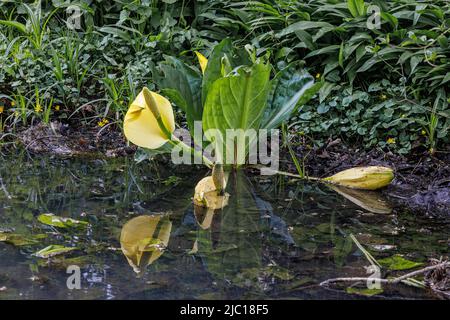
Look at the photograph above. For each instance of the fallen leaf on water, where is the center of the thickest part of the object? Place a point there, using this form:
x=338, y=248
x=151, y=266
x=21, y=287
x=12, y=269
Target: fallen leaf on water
x=364, y=291
x=60, y=222
x=53, y=250
x=19, y=240
x=397, y=263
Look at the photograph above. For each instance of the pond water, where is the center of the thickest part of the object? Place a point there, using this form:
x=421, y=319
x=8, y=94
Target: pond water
x=276, y=239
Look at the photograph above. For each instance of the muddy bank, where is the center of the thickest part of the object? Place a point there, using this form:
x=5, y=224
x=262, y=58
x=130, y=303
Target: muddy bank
x=422, y=181
x=63, y=140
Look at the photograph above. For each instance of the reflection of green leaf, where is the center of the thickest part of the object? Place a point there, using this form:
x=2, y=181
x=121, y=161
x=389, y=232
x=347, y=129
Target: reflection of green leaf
x=19, y=240
x=63, y=262
x=237, y=249
x=53, y=250
x=364, y=291
x=60, y=222
x=397, y=262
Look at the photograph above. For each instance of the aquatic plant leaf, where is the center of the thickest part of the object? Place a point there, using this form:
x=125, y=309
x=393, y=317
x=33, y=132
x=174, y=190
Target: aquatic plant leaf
x=202, y=61
x=236, y=102
x=53, y=250
x=141, y=125
x=367, y=178
x=19, y=240
x=364, y=291
x=398, y=263
x=60, y=222
x=182, y=85
x=288, y=88
x=143, y=240
x=368, y=200
x=214, y=70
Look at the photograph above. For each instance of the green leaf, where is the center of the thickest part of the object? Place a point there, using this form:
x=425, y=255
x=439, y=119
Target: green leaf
x=397, y=262
x=19, y=240
x=304, y=25
x=19, y=26
x=237, y=101
x=390, y=18
x=341, y=55
x=356, y=7
x=364, y=291
x=60, y=222
x=182, y=85
x=328, y=49
x=287, y=88
x=214, y=68
x=53, y=250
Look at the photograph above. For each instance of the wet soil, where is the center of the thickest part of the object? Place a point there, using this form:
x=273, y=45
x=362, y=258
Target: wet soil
x=422, y=181
x=66, y=141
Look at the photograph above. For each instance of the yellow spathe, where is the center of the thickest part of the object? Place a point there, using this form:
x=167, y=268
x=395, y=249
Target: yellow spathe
x=143, y=240
x=141, y=126
x=206, y=195
x=368, y=178
x=202, y=61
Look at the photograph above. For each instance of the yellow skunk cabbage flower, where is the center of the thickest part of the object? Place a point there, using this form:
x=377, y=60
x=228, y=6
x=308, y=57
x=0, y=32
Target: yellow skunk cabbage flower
x=149, y=121
x=367, y=178
x=202, y=61
x=207, y=195
x=143, y=240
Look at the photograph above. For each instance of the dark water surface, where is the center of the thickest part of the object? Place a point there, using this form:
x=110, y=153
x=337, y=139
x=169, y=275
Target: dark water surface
x=275, y=239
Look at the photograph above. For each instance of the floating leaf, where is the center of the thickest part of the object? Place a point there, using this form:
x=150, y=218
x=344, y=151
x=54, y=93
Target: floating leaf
x=19, y=240
x=364, y=291
x=397, y=263
x=53, y=250
x=60, y=222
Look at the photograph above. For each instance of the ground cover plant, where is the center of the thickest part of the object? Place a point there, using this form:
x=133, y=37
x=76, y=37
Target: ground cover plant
x=384, y=85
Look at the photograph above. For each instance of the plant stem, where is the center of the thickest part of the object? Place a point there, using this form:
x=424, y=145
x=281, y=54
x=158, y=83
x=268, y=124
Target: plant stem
x=387, y=281
x=175, y=141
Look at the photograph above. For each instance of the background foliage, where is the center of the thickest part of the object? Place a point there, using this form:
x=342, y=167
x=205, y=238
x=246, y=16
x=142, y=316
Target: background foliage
x=385, y=87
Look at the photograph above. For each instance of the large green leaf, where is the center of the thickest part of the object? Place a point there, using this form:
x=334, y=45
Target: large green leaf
x=215, y=62
x=288, y=89
x=237, y=101
x=356, y=7
x=182, y=85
